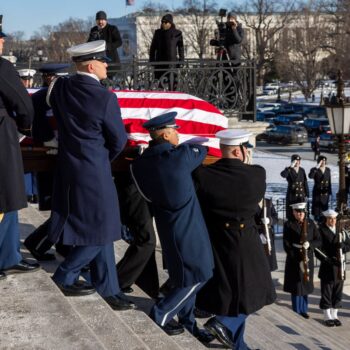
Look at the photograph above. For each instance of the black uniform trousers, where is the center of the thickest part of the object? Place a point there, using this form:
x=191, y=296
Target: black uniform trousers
x=138, y=264
x=331, y=294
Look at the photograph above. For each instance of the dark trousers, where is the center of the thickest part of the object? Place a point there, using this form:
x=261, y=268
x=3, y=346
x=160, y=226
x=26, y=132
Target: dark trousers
x=236, y=325
x=179, y=301
x=102, y=268
x=138, y=264
x=39, y=241
x=9, y=241
x=331, y=294
x=300, y=303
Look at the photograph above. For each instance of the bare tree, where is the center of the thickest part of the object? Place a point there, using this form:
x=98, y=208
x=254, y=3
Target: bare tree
x=265, y=20
x=199, y=16
x=306, y=49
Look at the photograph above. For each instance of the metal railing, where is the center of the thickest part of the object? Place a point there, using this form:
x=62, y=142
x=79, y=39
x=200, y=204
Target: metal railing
x=230, y=88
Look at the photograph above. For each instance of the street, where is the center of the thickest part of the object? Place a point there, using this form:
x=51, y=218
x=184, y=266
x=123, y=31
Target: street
x=304, y=151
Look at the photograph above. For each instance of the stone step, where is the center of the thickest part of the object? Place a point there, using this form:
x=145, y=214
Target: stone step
x=34, y=314
x=145, y=303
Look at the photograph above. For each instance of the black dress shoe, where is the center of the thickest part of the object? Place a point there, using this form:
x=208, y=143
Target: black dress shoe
x=305, y=315
x=203, y=336
x=2, y=275
x=42, y=256
x=337, y=323
x=79, y=288
x=127, y=290
x=119, y=302
x=220, y=332
x=172, y=328
x=329, y=323
x=198, y=313
x=21, y=267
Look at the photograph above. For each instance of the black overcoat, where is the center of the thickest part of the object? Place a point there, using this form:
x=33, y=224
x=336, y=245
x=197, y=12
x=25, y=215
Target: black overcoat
x=112, y=37
x=328, y=270
x=298, y=188
x=16, y=114
x=321, y=191
x=229, y=192
x=163, y=175
x=167, y=45
x=293, y=275
x=91, y=134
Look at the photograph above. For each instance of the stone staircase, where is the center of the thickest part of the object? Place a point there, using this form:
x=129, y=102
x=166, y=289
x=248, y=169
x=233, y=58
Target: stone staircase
x=34, y=314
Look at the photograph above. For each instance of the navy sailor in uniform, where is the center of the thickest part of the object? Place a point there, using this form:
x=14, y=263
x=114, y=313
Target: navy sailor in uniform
x=163, y=176
x=85, y=209
x=332, y=281
x=298, y=189
x=295, y=281
x=322, y=188
x=229, y=192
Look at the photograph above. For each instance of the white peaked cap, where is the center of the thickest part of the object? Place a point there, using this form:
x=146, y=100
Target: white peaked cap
x=26, y=73
x=233, y=137
x=88, y=51
x=300, y=206
x=330, y=213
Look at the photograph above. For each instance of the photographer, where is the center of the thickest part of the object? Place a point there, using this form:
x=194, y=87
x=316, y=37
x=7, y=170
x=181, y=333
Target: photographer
x=233, y=39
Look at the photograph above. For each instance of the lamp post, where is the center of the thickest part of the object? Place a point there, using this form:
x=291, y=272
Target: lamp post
x=338, y=113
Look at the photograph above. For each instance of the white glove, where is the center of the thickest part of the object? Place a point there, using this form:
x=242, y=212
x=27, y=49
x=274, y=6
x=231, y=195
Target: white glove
x=297, y=245
x=306, y=245
x=263, y=238
x=52, y=151
x=53, y=143
x=265, y=221
x=293, y=164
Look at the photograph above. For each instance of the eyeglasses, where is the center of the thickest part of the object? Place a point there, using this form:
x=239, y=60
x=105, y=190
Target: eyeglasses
x=165, y=22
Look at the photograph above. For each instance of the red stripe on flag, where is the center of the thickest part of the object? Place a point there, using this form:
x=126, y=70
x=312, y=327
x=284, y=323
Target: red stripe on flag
x=166, y=104
x=186, y=127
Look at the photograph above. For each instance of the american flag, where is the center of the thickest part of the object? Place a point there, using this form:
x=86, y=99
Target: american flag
x=196, y=117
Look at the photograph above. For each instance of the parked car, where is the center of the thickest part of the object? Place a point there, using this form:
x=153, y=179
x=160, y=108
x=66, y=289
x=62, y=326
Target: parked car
x=287, y=134
x=268, y=106
x=288, y=119
x=265, y=116
x=328, y=142
x=315, y=125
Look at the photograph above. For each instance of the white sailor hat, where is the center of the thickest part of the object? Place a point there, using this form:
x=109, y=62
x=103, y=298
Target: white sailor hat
x=26, y=74
x=93, y=50
x=299, y=206
x=234, y=137
x=330, y=213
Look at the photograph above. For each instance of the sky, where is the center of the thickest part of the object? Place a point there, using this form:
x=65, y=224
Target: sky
x=29, y=15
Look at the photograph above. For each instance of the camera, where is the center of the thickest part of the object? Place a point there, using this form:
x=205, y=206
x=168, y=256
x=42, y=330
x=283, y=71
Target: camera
x=220, y=32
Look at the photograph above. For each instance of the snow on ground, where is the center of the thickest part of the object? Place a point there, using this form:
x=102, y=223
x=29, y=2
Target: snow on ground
x=276, y=184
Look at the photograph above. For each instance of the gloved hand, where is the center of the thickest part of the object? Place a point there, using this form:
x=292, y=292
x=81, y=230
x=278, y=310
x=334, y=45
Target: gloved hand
x=53, y=143
x=306, y=245
x=293, y=164
x=265, y=221
x=335, y=261
x=340, y=245
x=52, y=151
x=319, y=164
x=263, y=238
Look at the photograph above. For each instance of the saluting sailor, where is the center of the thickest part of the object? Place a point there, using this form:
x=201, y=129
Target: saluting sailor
x=85, y=210
x=229, y=192
x=322, y=187
x=163, y=175
x=298, y=189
